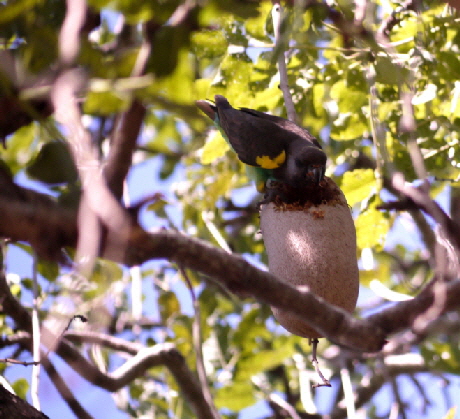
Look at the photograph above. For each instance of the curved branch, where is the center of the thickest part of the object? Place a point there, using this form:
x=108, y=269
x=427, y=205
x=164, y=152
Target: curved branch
x=107, y=341
x=231, y=270
x=64, y=390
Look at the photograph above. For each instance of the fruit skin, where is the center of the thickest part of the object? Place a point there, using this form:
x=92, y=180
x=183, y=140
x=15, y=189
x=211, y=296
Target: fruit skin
x=276, y=148
x=313, y=246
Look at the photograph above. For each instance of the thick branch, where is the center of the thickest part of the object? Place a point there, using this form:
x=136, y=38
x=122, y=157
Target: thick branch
x=123, y=144
x=233, y=272
x=241, y=277
x=64, y=390
x=12, y=406
x=441, y=297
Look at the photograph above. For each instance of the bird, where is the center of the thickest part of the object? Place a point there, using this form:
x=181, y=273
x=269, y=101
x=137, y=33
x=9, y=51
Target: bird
x=276, y=148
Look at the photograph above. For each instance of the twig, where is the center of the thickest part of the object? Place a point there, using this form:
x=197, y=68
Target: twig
x=67, y=112
x=398, y=404
x=383, y=161
x=197, y=343
x=425, y=229
x=348, y=390
x=15, y=361
x=135, y=275
x=423, y=393
x=97, y=202
x=407, y=125
x=136, y=297
x=216, y=234
x=143, y=358
x=56, y=342
x=23, y=338
x=371, y=384
x=277, y=12
x=360, y=12
x=276, y=399
x=420, y=196
x=35, y=379
x=314, y=346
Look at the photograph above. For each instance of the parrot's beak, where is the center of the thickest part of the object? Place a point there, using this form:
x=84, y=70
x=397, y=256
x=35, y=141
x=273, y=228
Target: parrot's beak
x=316, y=173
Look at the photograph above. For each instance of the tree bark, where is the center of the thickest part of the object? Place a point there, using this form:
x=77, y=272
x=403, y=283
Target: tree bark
x=12, y=406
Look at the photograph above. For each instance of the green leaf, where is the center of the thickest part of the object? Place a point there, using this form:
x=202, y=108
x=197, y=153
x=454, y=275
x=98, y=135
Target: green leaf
x=20, y=148
x=236, y=396
x=372, y=227
x=215, y=147
x=250, y=330
x=12, y=10
x=105, y=103
x=168, y=305
x=381, y=273
x=217, y=189
x=21, y=387
x=405, y=32
x=349, y=98
x=177, y=85
x=237, y=8
x=255, y=26
x=358, y=185
x=441, y=356
x=104, y=274
x=49, y=270
x=349, y=126
x=262, y=361
x=158, y=206
x=169, y=43
x=388, y=72
x=318, y=98
x=53, y=164
x=209, y=44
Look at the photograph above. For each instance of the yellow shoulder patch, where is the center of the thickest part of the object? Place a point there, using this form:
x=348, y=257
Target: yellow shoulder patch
x=268, y=163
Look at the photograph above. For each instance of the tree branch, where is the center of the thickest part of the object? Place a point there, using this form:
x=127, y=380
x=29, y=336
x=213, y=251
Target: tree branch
x=12, y=406
x=232, y=271
x=123, y=144
x=370, y=385
x=143, y=358
x=64, y=390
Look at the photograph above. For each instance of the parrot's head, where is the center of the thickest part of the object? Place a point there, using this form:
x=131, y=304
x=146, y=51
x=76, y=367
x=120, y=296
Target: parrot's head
x=306, y=166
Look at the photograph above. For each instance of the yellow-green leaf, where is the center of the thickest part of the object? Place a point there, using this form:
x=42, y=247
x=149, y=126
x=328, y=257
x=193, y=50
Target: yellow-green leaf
x=358, y=185
x=169, y=305
x=451, y=413
x=371, y=228
x=21, y=387
x=214, y=148
x=262, y=361
x=237, y=396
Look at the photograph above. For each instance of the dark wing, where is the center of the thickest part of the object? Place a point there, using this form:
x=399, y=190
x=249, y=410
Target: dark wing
x=285, y=124
x=257, y=141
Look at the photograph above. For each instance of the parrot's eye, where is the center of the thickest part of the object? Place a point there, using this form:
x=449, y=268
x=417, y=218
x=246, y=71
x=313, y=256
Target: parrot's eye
x=299, y=163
